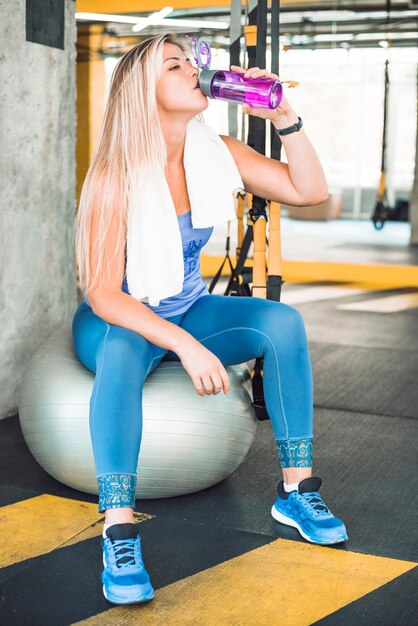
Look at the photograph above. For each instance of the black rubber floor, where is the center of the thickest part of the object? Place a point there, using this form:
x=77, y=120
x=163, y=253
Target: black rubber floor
x=173, y=548
x=363, y=361
x=330, y=325
x=365, y=450
x=366, y=462
x=378, y=381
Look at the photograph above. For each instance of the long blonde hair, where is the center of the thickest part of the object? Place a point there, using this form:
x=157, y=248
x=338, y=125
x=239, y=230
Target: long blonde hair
x=130, y=136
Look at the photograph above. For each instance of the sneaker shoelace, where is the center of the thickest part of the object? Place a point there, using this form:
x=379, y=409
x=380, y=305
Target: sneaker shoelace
x=314, y=502
x=124, y=550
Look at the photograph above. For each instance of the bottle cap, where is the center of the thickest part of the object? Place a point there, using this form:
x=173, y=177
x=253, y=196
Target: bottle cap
x=205, y=80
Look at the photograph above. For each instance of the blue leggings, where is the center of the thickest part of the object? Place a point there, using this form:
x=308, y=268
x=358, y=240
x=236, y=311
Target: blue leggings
x=236, y=330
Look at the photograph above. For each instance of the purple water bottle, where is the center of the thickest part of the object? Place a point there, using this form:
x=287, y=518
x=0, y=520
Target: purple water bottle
x=259, y=93
x=262, y=92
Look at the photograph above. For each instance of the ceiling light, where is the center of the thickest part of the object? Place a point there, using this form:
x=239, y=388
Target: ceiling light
x=300, y=39
x=196, y=23
x=128, y=19
x=399, y=35
x=107, y=17
x=154, y=18
x=335, y=37
x=343, y=16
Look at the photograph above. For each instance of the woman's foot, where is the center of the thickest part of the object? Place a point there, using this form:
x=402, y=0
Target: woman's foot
x=125, y=579
x=305, y=510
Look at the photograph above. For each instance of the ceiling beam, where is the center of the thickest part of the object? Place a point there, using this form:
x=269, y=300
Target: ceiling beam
x=142, y=6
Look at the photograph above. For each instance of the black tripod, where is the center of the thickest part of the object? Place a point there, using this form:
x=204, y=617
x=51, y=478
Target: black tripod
x=241, y=275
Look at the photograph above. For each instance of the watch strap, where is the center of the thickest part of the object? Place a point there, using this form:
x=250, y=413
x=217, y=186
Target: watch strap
x=290, y=129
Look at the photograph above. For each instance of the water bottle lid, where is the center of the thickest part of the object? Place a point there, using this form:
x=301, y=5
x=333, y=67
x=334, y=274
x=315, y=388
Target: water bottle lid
x=205, y=80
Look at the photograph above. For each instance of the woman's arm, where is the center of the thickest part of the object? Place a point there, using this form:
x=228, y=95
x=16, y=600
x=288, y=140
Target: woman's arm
x=109, y=302
x=121, y=309
x=114, y=306
x=300, y=182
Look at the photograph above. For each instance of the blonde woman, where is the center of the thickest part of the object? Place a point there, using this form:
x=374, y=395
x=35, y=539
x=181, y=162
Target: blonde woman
x=122, y=339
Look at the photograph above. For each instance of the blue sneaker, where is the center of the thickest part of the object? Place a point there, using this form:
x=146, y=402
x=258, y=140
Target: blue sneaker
x=305, y=510
x=125, y=579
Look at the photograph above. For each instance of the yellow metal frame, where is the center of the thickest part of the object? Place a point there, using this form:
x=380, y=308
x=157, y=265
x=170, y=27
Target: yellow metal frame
x=133, y=6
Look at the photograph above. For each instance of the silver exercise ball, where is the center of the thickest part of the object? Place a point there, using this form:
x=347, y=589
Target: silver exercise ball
x=188, y=442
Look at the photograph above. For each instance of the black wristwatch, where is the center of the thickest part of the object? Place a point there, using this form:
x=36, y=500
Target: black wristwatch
x=290, y=129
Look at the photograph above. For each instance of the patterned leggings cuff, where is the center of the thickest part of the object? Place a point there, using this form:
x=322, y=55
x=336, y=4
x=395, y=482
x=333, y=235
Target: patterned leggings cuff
x=116, y=491
x=295, y=452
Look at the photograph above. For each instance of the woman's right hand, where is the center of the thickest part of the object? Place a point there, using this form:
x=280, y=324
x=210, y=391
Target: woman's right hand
x=203, y=367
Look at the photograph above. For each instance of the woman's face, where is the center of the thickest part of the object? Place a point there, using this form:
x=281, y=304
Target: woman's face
x=176, y=91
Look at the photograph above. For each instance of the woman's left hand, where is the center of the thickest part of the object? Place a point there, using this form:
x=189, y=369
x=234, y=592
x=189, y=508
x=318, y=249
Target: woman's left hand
x=283, y=110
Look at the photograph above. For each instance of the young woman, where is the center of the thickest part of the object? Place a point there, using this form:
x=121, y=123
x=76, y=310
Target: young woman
x=121, y=339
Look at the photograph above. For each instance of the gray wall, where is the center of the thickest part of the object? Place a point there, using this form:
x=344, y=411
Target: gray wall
x=37, y=180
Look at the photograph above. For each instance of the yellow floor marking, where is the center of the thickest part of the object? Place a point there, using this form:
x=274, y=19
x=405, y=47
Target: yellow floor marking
x=319, y=293
x=361, y=286
x=44, y=523
x=399, y=275
x=285, y=582
x=387, y=304
x=317, y=271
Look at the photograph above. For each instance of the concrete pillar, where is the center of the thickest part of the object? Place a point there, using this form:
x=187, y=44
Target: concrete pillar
x=37, y=176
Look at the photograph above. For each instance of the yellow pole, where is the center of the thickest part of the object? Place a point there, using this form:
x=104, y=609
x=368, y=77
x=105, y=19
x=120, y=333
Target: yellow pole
x=259, y=289
x=240, y=223
x=275, y=244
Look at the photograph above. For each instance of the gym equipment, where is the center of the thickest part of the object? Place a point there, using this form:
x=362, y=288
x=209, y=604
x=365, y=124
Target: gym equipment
x=188, y=443
x=382, y=209
x=266, y=277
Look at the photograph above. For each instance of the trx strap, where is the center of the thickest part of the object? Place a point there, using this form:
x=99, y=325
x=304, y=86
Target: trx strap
x=255, y=32
x=256, y=40
x=382, y=209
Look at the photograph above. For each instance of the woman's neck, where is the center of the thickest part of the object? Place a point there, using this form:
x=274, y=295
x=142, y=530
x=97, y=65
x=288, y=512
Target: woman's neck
x=174, y=132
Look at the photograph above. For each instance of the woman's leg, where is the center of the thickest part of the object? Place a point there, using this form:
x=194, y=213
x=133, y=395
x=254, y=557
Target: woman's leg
x=121, y=360
x=238, y=329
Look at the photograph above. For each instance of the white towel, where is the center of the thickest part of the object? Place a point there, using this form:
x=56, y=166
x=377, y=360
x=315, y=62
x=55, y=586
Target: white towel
x=155, y=266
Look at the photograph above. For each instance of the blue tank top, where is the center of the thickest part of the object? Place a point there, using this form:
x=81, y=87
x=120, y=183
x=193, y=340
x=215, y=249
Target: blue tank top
x=193, y=240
